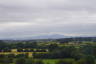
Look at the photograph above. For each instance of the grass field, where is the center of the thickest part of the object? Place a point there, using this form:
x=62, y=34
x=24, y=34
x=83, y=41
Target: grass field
x=50, y=61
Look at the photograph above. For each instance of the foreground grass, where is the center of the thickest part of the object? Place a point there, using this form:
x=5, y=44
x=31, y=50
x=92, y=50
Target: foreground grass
x=50, y=61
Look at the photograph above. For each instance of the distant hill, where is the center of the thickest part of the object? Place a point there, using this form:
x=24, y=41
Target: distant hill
x=59, y=38
x=47, y=36
x=52, y=36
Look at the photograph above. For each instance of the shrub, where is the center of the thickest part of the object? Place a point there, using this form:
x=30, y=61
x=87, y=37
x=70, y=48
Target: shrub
x=87, y=60
x=38, y=62
x=66, y=61
x=22, y=56
x=29, y=61
x=20, y=61
x=11, y=56
x=8, y=60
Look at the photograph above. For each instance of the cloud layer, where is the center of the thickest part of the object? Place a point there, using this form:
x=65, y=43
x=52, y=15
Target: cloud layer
x=27, y=18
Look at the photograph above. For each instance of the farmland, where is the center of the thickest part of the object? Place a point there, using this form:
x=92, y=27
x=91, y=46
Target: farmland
x=48, y=52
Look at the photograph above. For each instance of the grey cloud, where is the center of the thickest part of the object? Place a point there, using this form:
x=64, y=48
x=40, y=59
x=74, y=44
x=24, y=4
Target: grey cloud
x=31, y=17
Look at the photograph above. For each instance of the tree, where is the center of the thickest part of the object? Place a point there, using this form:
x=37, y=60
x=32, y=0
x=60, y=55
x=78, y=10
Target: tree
x=7, y=60
x=20, y=61
x=87, y=49
x=22, y=56
x=87, y=60
x=20, y=50
x=52, y=47
x=3, y=44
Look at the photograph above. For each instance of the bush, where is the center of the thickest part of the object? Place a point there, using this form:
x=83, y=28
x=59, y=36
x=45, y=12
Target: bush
x=66, y=61
x=87, y=60
x=19, y=50
x=42, y=55
x=22, y=56
x=29, y=61
x=1, y=60
x=11, y=56
x=2, y=56
x=38, y=62
x=20, y=61
x=8, y=60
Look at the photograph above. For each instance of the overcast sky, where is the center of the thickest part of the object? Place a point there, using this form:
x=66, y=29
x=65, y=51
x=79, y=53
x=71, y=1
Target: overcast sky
x=27, y=18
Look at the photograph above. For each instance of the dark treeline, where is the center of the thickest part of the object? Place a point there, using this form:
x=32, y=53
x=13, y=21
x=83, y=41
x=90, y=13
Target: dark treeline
x=7, y=47
x=75, y=52
x=61, y=40
x=17, y=45
x=76, y=39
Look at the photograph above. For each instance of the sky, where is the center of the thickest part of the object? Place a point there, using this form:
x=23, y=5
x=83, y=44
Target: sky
x=28, y=18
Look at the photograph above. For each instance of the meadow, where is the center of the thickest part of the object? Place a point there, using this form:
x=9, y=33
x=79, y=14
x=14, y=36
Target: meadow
x=48, y=52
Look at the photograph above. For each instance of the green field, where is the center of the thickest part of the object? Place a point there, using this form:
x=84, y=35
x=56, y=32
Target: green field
x=50, y=61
